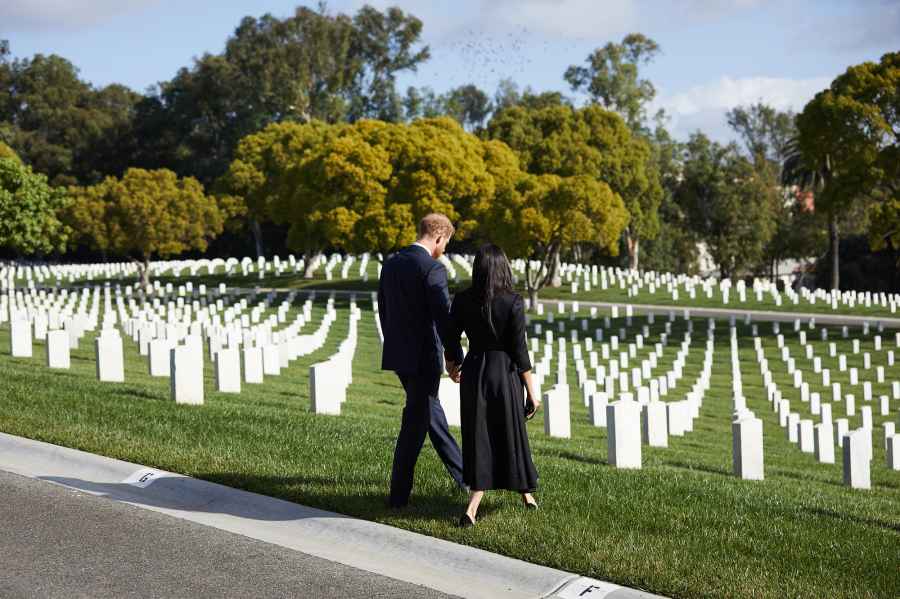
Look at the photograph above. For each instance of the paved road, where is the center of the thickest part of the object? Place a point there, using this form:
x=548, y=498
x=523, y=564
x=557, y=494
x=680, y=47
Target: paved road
x=58, y=542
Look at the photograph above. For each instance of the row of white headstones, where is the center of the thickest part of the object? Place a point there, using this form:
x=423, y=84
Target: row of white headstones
x=37, y=274
x=639, y=415
x=578, y=276
x=172, y=341
x=241, y=345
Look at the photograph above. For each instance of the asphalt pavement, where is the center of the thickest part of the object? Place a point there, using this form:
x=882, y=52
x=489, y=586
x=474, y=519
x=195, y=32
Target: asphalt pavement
x=57, y=542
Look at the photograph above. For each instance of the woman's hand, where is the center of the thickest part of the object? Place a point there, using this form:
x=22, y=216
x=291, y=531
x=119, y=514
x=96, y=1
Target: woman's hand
x=532, y=405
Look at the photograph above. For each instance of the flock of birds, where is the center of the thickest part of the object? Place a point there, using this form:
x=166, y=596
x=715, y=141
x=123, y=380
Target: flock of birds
x=474, y=56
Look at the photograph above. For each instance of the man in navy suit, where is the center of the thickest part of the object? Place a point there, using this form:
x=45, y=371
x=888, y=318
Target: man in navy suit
x=414, y=308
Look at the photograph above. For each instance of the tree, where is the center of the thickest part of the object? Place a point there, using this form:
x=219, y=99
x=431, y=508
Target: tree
x=768, y=135
x=146, y=214
x=7, y=152
x=543, y=214
x=310, y=66
x=61, y=125
x=727, y=203
x=469, y=106
x=674, y=249
x=610, y=77
x=29, y=207
x=765, y=131
x=384, y=44
x=361, y=187
x=591, y=141
x=848, y=143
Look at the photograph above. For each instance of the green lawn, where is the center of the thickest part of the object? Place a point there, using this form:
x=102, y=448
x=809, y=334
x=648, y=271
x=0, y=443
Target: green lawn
x=681, y=526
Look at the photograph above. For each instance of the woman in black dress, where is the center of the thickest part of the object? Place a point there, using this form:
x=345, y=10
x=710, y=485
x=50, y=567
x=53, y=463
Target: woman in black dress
x=494, y=405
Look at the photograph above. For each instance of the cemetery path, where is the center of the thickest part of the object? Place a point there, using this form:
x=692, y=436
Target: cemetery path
x=81, y=525
x=59, y=542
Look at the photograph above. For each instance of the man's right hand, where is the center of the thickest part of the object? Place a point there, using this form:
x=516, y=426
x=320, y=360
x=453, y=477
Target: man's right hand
x=454, y=371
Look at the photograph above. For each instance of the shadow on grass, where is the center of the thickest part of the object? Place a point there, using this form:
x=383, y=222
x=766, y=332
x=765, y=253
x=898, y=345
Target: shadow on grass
x=858, y=520
x=568, y=455
x=695, y=467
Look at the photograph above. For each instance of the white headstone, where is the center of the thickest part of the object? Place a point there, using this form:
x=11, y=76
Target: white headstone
x=186, y=378
x=823, y=439
x=654, y=429
x=20, y=338
x=747, y=447
x=623, y=421
x=252, y=358
x=58, y=349
x=228, y=370
x=109, y=357
x=856, y=459
x=326, y=388
x=557, y=418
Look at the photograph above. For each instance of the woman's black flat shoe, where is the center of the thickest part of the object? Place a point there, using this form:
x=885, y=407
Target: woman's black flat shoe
x=465, y=521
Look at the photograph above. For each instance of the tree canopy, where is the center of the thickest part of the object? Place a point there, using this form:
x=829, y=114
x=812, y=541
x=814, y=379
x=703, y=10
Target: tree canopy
x=590, y=141
x=610, y=77
x=543, y=214
x=29, y=209
x=362, y=186
x=147, y=213
x=728, y=204
x=61, y=125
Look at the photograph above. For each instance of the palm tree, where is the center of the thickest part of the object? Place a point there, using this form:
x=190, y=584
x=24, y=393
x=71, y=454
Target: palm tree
x=797, y=170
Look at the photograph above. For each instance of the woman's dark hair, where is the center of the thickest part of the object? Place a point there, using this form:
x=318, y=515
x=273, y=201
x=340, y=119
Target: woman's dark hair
x=491, y=276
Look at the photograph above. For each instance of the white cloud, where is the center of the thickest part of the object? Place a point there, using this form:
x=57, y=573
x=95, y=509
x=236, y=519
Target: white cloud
x=63, y=14
x=704, y=106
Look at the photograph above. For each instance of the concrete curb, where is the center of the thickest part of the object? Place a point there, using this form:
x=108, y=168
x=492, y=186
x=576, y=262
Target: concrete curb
x=377, y=548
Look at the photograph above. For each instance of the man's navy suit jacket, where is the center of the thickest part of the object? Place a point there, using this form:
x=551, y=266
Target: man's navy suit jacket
x=414, y=308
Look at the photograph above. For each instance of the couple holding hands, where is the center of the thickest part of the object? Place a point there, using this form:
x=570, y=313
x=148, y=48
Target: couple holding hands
x=497, y=395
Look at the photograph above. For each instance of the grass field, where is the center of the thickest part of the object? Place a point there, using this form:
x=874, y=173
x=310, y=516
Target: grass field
x=681, y=526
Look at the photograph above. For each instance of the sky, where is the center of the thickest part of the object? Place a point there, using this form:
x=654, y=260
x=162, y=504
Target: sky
x=715, y=55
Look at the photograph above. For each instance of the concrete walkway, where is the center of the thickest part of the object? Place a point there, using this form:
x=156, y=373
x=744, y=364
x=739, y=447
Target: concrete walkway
x=383, y=551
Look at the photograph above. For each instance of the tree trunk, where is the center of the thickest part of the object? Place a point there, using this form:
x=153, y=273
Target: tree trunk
x=532, y=284
x=256, y=229
x=834, y=242
x=144, y=273
x=556, y=266
x=634, y=249
x=308, y=269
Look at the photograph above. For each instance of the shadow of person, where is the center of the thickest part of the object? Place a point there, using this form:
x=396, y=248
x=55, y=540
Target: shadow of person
x=268, y=498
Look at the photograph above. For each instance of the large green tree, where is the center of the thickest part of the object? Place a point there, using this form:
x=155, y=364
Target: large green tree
x=728, y=204
x=674, y=249
x=29, y=209
x=543, y=214
x=361, y=186
x=311, y=65
x=61, y=125
x=591, y=141
x=848, y=144
x=610, y=77
x=146, y=214
x=767, y=135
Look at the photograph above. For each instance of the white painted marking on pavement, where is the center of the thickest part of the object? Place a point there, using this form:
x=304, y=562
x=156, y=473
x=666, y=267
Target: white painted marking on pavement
x=586, y=588
x=144, y=477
